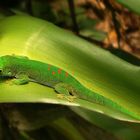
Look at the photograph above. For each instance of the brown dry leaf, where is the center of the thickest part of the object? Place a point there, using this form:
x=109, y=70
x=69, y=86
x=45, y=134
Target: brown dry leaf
x=111, y=39
x=129, y=23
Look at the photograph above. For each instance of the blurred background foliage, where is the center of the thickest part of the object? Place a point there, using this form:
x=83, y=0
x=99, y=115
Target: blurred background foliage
x=113, y=25
x=106, y=23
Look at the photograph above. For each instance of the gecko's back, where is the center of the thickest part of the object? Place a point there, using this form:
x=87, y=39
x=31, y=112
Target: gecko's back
x=42, y=73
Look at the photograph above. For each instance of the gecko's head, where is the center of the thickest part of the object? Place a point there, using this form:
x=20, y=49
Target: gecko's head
x=4, y=70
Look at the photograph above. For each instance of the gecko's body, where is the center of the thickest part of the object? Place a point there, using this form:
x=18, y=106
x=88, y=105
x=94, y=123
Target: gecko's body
x=26, y=70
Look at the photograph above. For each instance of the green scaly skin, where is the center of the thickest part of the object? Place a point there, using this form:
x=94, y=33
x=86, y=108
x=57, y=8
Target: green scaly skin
x=25, y=70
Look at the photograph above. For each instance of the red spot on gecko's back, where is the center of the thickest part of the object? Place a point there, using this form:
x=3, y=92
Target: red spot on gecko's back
x=53, y=73
x=49, y=67
x=59, y=71
x=66, y=74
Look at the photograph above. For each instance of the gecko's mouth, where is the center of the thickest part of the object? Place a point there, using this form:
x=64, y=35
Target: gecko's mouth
x=0, y=72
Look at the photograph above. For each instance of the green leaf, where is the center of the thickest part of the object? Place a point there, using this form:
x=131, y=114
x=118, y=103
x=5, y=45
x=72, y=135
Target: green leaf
x=71, y=131
x=133, y=5
x=125, y=56
x=92, y=33
x=123, y=130
x=97, y=69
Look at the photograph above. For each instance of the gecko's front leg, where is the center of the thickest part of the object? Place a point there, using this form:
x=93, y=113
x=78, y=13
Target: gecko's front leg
x=21, y=79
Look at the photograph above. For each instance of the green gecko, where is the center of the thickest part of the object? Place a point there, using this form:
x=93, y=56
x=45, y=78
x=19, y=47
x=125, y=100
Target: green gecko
x=25, y=70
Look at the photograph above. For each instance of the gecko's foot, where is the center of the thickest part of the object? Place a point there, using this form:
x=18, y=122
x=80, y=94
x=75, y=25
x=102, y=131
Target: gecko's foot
x=65, y=91
x=8, y=81
x=60, y=96
x=19, y=81
x=69, y=98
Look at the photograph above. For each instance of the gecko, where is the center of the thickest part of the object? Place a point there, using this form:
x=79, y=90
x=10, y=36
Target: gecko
x=24, y=70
